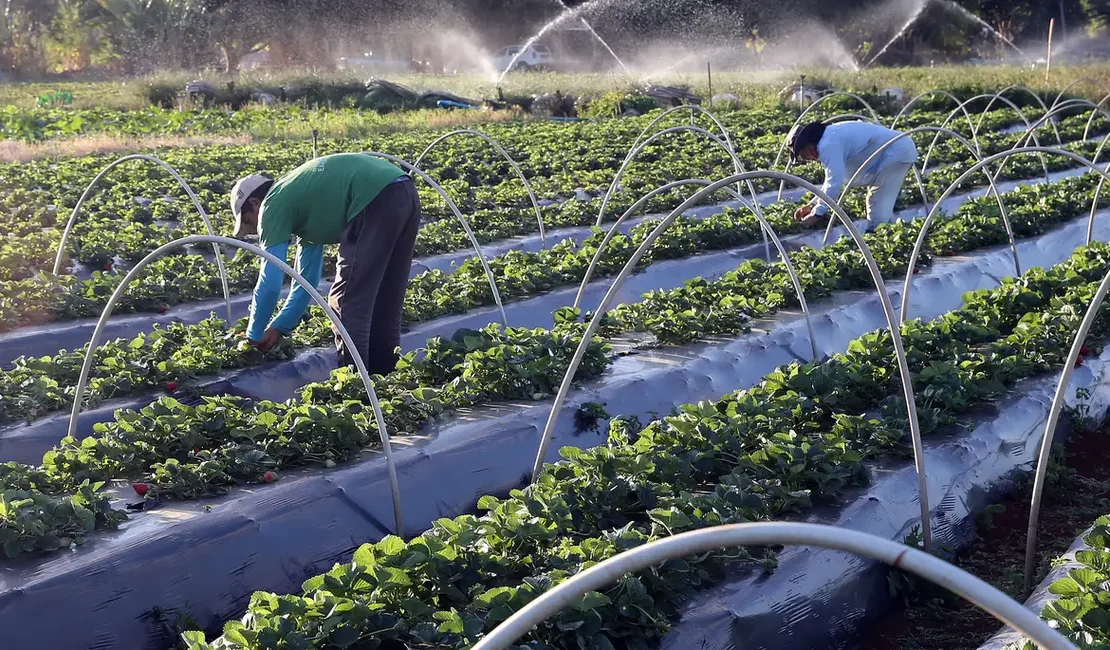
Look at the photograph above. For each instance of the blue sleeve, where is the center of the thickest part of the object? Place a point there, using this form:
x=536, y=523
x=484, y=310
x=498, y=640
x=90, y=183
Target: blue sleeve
x=310, y=264
x=266, y=292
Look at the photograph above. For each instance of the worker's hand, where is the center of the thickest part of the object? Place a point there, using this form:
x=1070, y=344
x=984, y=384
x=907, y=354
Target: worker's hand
x=271, y=338
x=803, y=212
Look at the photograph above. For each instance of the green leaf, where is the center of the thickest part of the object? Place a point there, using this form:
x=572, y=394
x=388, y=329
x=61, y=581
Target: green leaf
x=592, y=600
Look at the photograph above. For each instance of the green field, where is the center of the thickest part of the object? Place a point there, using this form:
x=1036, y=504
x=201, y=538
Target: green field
x=806, y=436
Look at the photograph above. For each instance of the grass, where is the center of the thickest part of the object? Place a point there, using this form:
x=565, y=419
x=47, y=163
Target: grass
x=12, y=151
x=751, y=85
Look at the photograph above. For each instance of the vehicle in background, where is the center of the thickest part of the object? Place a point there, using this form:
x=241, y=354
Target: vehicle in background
x=535, y=57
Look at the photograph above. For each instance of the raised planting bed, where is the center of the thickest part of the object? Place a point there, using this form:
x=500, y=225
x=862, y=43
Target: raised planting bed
x=1076, y=493
x=39, y=386
x=253, y=534
x=807, y=435
x=279, y=381
x=32, y=294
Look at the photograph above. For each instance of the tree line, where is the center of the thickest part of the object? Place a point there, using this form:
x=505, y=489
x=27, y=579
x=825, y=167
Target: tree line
x=127, y=37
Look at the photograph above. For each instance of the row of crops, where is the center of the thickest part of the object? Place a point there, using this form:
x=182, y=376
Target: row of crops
x=803, y=436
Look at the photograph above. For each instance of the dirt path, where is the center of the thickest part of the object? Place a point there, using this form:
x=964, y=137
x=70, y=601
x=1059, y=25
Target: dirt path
x=1077, y=493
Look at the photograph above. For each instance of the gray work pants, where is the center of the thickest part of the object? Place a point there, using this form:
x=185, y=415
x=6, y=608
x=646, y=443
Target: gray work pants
x=372, y=275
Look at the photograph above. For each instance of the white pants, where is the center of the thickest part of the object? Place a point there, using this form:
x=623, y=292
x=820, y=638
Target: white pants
x=883, y=194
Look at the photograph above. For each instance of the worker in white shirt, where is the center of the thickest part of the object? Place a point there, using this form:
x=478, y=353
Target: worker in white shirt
x=842, y=148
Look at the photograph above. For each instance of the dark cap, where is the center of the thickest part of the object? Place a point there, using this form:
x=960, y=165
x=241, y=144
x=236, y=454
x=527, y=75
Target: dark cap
x=803, y=135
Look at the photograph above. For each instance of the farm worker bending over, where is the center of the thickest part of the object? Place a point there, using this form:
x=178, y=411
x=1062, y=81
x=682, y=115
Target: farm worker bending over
x=364, y=204
x=843, y=148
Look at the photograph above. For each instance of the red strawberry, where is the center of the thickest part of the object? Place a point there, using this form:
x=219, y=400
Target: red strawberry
x=163, y=309
x=1085, y=351
x=141, y=488
x=171, y=386
x=1079, y=361
x=269, y=477
x=916, y=270
x=108, y=266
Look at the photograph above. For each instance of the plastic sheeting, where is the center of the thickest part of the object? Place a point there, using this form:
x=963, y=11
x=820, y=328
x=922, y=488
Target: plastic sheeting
x=281, y=380
x=819, y=599
x=205, y=559
x=69, y=335
x=1041, y=596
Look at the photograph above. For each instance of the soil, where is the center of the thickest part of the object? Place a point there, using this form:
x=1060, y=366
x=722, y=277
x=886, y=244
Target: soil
x=1077, y=493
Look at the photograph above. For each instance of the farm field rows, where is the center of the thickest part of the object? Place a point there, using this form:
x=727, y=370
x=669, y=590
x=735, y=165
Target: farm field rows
x=801, y=438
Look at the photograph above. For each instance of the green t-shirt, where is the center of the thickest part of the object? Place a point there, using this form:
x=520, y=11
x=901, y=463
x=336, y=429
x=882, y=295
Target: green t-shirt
x=315, y=201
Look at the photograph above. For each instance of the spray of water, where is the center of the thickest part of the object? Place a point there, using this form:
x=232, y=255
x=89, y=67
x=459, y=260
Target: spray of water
x=601, y=40
x=914, y=15
x=948, y=4
x=563, y=17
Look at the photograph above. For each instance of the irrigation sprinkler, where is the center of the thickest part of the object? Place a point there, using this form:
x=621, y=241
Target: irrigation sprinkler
x=188, y=190
x=1044, y=456
x=876, y=278
x=967, y=174
x=504, y=154
x=974, y=153
x=458, y=215
x=764, y=224
x=98, y=331
x=737, y=165
x=705, y=540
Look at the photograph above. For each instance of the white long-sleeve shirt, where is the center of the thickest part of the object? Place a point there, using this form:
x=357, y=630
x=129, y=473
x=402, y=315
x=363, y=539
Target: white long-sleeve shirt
x=845, y=146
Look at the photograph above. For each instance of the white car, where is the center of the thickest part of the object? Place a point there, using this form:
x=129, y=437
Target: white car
x=535, y=56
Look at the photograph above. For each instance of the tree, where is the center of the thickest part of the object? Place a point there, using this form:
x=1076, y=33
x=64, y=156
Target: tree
x=1097, y=13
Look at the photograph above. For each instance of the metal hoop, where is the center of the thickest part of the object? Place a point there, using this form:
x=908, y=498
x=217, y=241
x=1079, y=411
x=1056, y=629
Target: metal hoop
x=842, y=117
x=1050, y=428
x=1037, y=97
x=1066, y=105
x=974, y=168
x=1098, y=190
x=876, y=277
x=1091, y=119
x=737, y=165
x=762, y=221
x=86, y=366
x=1092, y=80
x=974, y=153
x=937, y=91
x=504, y=154
x=188, y=190
x=458, y=215
x=975, y=135
x=696, y=542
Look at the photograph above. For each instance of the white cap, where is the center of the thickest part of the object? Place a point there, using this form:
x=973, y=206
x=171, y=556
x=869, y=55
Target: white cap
x=239, y=195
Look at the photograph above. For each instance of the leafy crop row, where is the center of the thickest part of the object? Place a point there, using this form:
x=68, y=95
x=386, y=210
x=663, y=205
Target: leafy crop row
x=179, y=353
x=796, y=439
x=35, y=196
x=182, y=279
x=185, y=451
x=1080, y=610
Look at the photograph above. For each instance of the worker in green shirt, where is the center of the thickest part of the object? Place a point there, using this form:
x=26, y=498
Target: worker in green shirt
x=367, y=206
